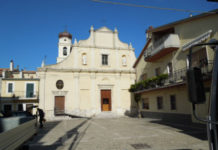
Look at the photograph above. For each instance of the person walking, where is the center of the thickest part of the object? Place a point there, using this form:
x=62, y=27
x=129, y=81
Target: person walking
x=41, y=117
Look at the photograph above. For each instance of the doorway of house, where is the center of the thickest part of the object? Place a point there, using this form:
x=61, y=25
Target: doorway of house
x=59, y=105
x=105, y=100
x=29, y=108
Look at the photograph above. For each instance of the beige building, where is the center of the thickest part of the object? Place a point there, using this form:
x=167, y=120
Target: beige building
x=19, y=90
x=91, y=77
x=162, y=64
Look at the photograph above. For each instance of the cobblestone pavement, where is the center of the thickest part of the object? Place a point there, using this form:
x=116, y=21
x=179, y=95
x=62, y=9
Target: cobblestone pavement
x=118, y=134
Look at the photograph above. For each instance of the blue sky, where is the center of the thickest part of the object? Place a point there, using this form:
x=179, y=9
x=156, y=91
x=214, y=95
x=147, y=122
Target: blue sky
x=29, y=28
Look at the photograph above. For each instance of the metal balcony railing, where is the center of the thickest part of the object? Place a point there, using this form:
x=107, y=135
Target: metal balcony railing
x=180, y=75
x=175, y=78
x=23, y=95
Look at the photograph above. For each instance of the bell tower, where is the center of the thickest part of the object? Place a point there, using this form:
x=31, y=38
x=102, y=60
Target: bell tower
x=64, y=45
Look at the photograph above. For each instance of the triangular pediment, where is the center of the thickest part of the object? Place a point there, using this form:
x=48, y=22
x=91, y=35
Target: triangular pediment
x=103, y=29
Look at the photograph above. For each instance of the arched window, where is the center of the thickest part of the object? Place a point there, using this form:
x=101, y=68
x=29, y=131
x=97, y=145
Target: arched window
x=65, y=51
x=84, y=59
x=124, y=60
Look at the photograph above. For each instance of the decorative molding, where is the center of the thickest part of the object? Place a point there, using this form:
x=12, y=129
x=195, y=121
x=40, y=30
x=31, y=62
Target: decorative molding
x=23, y=79
x=103, y=86
x=93, y=75
x=76, y=75
x=132, y=71
x=59, y=93
x=118, y=75
x=100, y=47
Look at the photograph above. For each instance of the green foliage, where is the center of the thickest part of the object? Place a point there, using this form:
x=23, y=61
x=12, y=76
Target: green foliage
x=137, y=97
x=8, y=74
x=149, y=83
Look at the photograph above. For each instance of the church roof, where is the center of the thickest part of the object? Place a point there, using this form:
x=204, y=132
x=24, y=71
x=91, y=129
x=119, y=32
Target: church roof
x=65, y=34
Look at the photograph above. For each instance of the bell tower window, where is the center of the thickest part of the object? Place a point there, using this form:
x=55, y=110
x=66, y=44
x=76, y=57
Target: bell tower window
x=65, y=51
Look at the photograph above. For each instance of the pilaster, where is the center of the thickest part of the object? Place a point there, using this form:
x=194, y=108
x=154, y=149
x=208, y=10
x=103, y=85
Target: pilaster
x=75, y=57
x=93, y=92
x=76, y=91
x=118, y=92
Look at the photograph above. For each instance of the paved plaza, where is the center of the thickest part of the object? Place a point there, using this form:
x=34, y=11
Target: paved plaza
x=118, y=134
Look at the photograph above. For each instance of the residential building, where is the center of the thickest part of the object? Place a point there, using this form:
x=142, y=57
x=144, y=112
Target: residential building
x=91, y=77
x=162, y=64
x=19, y=90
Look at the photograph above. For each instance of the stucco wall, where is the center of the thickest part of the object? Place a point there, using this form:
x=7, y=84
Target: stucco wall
x=182, y=104
x=19, y=87
x=83, y=82
x=187, y=31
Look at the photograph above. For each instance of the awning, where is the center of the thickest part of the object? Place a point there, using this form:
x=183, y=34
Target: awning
x=197, y=40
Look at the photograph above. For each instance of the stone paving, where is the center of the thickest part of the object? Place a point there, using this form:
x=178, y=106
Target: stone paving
x=118, y=134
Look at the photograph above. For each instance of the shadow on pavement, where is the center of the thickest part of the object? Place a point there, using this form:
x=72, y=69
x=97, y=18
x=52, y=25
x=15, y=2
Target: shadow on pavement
x=59, y=143
x=40, y=134
x=193, y=129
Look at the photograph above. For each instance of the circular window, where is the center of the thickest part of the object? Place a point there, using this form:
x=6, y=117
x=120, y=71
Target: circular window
x=60, y=84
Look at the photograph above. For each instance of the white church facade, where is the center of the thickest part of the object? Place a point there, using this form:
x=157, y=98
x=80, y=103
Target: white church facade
x=90, y=77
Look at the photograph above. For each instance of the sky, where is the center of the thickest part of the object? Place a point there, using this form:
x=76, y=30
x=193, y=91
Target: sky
x=29, y=28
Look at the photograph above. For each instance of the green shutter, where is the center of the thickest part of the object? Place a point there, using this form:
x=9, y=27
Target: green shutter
x=10, y=88
x=29, y=90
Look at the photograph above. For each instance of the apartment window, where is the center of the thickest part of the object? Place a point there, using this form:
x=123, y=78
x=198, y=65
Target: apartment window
x=170, y=69
x=29, y=89
x=145, y=103
x=159, y=102
x=104, y=59
x=157, y=71
x=10, y=88
x=65, y=51
x=173, y=102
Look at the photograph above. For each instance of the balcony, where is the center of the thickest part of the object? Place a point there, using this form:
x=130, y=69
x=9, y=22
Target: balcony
x=162, y=47
x=22, y=95
x=177, y=78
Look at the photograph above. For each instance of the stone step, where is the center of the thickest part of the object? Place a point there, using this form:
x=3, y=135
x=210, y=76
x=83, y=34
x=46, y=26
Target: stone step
x=56, y=118
x=107, y=115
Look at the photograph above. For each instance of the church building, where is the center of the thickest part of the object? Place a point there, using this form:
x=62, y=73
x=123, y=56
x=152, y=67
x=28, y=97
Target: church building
x=91, y=77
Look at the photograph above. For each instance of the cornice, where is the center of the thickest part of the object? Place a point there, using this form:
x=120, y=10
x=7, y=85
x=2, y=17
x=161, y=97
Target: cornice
x=86, y=70
x=112, y=48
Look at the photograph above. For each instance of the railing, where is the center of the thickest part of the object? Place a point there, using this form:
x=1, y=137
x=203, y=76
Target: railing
x=160, y=40
x=22, y=95
x=180, y=75
x=177, y=77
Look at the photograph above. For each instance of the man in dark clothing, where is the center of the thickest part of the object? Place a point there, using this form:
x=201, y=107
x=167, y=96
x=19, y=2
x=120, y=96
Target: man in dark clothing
x=41, y=117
